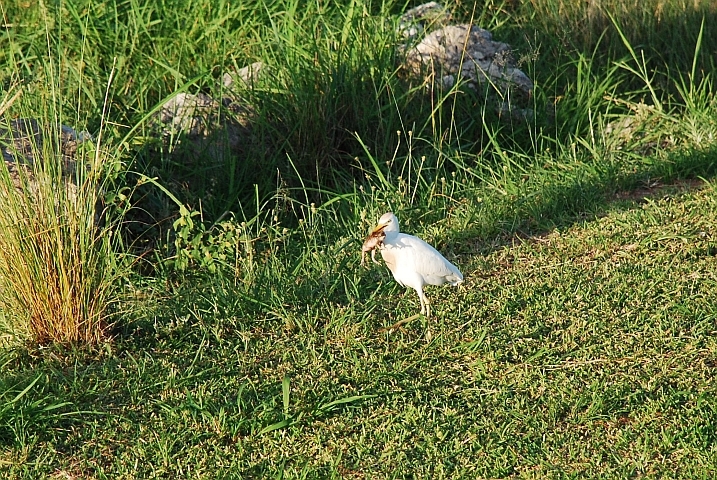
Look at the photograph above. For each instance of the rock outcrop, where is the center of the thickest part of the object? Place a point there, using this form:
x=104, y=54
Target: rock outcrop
x=208, y=126
x=463, y=53
x=23, y=142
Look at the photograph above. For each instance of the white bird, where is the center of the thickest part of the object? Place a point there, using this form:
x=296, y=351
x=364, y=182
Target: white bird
x=413, y=262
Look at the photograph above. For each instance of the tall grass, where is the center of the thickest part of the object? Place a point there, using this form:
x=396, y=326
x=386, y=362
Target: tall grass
x=58, y=249
x=325, y=119
x=57, y=263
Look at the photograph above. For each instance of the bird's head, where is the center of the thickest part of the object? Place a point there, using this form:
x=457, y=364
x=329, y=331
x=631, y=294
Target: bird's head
x=387, y=223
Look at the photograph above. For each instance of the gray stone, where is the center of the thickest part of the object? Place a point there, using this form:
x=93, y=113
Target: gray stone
x=414, y=22
x=202, y=124
x=22, y=142
x=189, y=114
x=248, y=76
x=463, y=53
x=468, y=53
x=212, y=127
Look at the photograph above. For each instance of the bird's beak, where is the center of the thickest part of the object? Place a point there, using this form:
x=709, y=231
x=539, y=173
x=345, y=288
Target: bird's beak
x=378, y=228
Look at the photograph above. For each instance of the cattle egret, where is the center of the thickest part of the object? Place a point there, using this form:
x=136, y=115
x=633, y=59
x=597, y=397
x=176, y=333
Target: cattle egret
x=413, y=262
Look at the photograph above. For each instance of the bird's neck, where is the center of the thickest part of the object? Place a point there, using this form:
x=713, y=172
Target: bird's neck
x=390, y=235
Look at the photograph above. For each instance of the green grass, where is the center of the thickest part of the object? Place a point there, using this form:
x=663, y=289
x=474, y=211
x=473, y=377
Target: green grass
x=588, y=350
x=248, y=341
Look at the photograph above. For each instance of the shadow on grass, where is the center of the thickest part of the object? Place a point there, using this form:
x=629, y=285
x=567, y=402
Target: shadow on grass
x=590, y=196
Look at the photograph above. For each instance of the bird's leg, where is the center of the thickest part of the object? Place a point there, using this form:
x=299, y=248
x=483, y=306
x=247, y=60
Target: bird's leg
x=425, y=306
x=426, y=310
x=373, y=257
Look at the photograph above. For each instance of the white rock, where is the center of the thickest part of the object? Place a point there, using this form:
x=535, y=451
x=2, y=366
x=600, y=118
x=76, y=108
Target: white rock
x=468, y=53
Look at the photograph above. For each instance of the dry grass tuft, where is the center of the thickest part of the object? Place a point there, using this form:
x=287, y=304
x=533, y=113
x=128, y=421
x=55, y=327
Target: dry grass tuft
x=55, y=261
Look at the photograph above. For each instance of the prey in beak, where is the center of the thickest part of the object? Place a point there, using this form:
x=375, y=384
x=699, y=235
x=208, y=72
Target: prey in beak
x=372, y=242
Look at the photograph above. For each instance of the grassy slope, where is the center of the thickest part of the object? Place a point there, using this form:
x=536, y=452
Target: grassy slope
x=581, y=343
x=586, y=350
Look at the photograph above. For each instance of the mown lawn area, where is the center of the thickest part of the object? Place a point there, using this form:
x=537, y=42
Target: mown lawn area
x=245, y=338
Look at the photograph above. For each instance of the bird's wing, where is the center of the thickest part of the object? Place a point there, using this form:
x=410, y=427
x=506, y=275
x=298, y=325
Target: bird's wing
x=429, y=261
